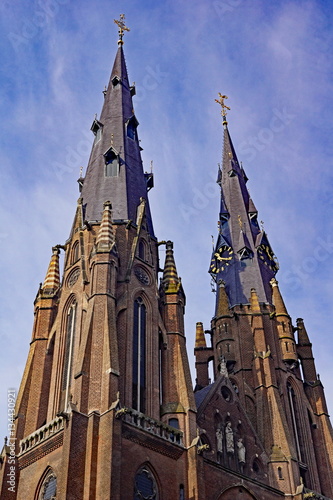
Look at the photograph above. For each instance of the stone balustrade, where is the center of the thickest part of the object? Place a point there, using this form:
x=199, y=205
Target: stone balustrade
x=41, y=435
x=153, y=426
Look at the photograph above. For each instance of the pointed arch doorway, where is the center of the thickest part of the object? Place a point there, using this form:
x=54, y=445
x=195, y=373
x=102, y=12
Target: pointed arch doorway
x=237, y=492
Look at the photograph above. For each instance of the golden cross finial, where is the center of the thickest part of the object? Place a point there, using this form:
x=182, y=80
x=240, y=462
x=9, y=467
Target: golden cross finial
x=111, y=140
x=122, y=27
x=224, y=107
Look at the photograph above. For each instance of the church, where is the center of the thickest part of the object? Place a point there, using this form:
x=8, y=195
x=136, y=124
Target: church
x=107, y=408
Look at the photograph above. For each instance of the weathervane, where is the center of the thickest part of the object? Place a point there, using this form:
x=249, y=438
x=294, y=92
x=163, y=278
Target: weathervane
x=224, y=107
x=122, y=27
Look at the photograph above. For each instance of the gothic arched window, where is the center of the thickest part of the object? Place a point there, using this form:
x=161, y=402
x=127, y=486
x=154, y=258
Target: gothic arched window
x=48, y=490
x=141, y=250
x=111, y=163
x=139, y=356
x=75, y=252
x=145, y=487
x=68, y=355
x=293, y=412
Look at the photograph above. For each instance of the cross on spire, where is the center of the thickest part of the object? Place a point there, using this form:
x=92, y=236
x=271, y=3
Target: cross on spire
x=223, y=106
x=122, y=27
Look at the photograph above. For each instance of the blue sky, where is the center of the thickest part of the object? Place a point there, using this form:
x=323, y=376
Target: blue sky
x=273, y=60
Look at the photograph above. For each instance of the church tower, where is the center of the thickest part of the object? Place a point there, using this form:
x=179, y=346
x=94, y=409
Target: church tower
x=106, y=407
x=106, y=393
x=265, y=415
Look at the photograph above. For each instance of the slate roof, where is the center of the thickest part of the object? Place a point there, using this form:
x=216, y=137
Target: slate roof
x=241, y=231
x=124, y=191
x=200, y=396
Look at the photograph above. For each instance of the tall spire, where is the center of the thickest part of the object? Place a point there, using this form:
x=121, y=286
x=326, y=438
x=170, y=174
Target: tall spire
x=242, y=257
x=115, y=170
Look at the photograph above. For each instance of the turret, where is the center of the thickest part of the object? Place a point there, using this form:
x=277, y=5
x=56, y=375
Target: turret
x=284, y=327
x=177, y=396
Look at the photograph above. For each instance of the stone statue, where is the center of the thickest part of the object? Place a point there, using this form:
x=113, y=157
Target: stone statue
x=241, y=451
x=229, y=436
x=219, y=440
x=223, y=366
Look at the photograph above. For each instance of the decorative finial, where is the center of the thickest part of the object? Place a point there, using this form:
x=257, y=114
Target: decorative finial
x=262, y=225
x=111, y=140
x=122, y=27
x=151, y=166
x=240, y=222
x=224, y=107
x=81, y=171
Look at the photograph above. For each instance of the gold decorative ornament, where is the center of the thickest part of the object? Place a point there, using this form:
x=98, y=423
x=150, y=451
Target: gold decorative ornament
x=224, y=107
x=122, y=27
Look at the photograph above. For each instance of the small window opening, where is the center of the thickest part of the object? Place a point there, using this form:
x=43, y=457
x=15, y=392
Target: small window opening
x=173, y=422
x=111, y=164
x=75, y=252
x=49, y=488
x=131, y=128
x=280, y=475
x=96, y=129
x=141, y=251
